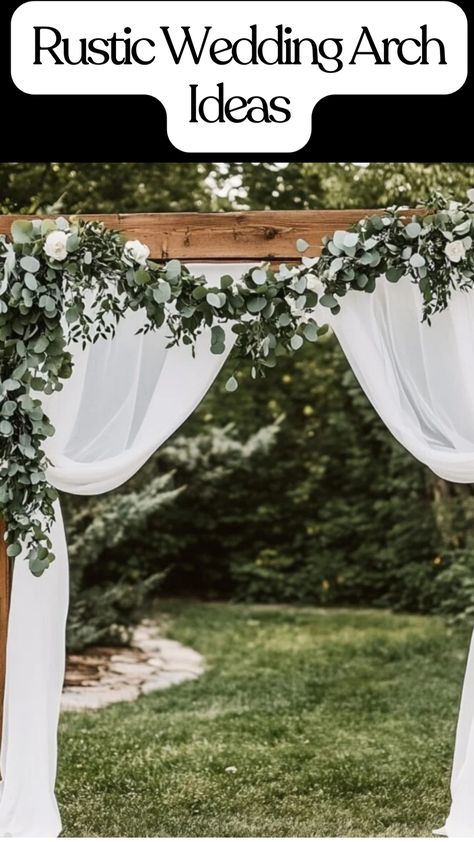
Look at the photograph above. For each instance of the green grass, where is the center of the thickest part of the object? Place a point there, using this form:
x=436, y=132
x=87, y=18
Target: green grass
x=339, y=723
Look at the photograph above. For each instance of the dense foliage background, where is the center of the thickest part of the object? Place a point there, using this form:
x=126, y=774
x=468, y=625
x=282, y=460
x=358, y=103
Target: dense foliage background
x=289, y=490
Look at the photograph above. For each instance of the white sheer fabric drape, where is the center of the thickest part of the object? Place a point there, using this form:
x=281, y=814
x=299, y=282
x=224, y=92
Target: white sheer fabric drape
x=420, y=379
x=125, y=398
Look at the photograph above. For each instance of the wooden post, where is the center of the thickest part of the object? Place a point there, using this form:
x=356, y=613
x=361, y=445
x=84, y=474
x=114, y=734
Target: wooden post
x=4, y=609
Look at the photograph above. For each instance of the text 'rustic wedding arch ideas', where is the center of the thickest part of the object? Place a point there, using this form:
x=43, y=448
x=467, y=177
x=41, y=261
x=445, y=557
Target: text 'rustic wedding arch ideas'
x=70, y=283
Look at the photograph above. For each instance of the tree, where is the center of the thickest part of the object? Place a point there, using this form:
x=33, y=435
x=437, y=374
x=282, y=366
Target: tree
x=306, y=186
x=104, y=188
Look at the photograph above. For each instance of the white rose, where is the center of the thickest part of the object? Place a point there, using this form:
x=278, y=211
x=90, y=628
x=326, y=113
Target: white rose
x=455, y=251
x=137, y=251
x=55, y=245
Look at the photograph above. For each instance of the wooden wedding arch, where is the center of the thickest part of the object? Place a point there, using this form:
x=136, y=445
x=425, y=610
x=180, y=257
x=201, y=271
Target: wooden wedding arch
x=200, y=237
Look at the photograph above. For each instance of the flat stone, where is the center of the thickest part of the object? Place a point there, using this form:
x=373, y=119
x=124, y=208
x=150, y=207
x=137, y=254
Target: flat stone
x=159, y=683
x=170, y=650
x=129, y=657
x=155, y=662
x=133, y=670
x=107, y=675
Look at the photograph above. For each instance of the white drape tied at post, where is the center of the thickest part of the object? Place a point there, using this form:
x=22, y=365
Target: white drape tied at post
x=126, y=397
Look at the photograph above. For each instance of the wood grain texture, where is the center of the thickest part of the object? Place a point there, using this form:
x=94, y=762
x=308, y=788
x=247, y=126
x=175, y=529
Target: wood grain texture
x=252, y=235
x=4, y=611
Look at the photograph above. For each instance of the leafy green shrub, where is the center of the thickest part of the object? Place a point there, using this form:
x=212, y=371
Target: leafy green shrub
x=123, y=545
x=107, y=593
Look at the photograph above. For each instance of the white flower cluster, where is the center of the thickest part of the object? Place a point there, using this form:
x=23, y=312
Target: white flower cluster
x=455, y=251
x=136, y=252
x=55, y=245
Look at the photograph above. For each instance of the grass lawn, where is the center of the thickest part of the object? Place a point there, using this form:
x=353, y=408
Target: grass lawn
x=338, y=723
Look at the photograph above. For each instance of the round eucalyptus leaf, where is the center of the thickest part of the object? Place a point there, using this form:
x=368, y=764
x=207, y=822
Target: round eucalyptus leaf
x=413, y=230
x=216, y=299
x=30, y=263
x=296, y=342
x=310, y=331
x=302, y=245
x=417, y=260
x=30, y=281
x=232, y=384
x=162, y=293
x=256, y=304
x=350, y=240
x=259, y=276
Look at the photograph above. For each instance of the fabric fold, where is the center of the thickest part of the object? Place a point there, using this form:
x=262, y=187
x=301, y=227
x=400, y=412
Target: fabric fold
x=126, y=396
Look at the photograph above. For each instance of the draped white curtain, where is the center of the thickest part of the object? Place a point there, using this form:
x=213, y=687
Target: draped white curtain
x=420, y=379
x=125, y=398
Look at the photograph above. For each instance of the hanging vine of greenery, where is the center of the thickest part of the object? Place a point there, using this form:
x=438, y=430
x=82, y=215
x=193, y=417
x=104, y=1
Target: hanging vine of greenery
x=66, y=281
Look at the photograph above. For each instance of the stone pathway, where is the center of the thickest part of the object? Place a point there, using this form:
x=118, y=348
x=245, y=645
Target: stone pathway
x=104, y=675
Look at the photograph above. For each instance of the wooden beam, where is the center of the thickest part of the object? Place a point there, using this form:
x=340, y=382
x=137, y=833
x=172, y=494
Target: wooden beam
x=4, y=611
x=247, y=236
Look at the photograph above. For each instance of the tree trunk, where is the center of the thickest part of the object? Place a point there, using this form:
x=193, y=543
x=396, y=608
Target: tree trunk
x=4, y=609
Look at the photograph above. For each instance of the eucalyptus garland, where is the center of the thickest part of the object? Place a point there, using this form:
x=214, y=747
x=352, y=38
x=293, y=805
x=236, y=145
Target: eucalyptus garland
x=69, y=281
x=432, y=249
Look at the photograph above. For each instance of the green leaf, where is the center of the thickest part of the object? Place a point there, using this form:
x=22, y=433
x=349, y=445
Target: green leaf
x=216, y=299
x=11, y=385
x=284, y=319
x=173, y=270
x=302, y=245
x=47, y=225
x=394, y=274
x=31, y=282
x=217, y=335
x=6, y=429
x=13, y=550
x=310, y=331
x=338, y=238
x=162, y=293
x=72, y=314
x=8, y=408
x=296, y=342
x=300, y=285
x=199, y=293
x=29, y=263
x=413, y=230
x=328, y=300
x=376, y=223
x=73, y=242
x=231, y=385
x=256, y=304
x=22, y=231
x=259, y=276
x=141, y=276
x=41, y=345
x=350, y=240
x=38, y=566
x=417, y=260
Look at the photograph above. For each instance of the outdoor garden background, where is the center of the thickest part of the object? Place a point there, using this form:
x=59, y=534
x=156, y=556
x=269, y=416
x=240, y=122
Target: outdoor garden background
x=325, y=575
